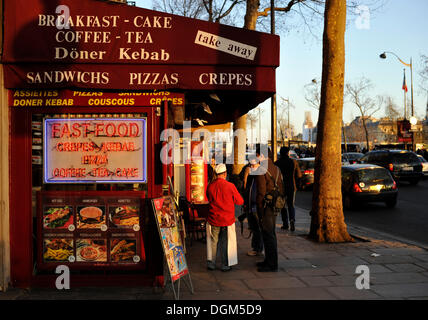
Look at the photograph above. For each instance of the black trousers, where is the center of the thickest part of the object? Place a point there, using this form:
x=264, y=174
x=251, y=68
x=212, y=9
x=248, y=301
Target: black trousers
x=269, y=238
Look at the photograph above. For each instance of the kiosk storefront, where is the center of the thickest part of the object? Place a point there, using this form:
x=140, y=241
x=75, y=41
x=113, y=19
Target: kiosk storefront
x=90, y=88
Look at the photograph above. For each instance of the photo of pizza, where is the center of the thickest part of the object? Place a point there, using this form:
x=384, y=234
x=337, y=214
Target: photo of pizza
x=91, y=250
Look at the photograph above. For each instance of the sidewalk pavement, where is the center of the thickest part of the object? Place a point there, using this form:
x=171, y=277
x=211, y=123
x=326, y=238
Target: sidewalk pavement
x=307, y=271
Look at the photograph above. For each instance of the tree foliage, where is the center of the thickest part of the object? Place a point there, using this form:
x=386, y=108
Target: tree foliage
x=210, y=10
x=359, y=95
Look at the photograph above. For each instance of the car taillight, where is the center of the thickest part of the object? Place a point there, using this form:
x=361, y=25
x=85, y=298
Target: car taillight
x=356, y=188
x=308, y=172
x=391, y=167
x=394, y=186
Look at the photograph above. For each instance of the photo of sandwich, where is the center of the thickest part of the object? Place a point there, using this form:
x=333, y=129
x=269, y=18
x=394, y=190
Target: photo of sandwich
x=91, y=250
x=57, y=250
x=57, y=217
x=123, y=250
x=90, y=217
x=124, y=216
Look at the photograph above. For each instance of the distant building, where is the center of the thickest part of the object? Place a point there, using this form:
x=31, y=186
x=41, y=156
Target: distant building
x=308, y=130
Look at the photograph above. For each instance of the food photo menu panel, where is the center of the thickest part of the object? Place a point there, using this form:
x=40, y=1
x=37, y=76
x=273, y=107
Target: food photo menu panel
x=89, y=230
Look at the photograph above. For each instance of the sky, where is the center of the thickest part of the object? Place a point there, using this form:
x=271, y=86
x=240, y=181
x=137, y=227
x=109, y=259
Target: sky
x=399, y=26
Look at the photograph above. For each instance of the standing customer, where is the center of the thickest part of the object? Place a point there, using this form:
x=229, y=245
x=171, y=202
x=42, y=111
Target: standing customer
x=290, y=173
x=250, y=187
x=268, y=174
x=221, y=235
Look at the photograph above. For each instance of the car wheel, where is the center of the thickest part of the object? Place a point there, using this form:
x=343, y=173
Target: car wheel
x=391, y=203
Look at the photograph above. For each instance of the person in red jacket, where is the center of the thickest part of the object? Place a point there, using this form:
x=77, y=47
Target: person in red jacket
x=221, y=235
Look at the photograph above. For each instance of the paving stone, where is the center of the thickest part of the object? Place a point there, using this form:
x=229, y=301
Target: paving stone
x=399, y=251
x=352, y=293
x=345, y=270
x=235, y=274
x=327, y=262
x=233, y=285
x=423, y=265
x=390, y=259
x=342, y=280
x=219, y=295
x=309, y=293
x=310, y=272
x=422, y=257
x=402, y=290
x=395, y=277
x=314, y=254
x=404, y=267
x=316, y=281
x=274, y=283
x=294, y=263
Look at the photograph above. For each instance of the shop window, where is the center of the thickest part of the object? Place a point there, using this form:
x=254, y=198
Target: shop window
x=89, y=176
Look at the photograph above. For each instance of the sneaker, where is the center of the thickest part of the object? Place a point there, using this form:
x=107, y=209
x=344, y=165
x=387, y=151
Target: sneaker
x=284, y=228
x=226, y=268
x=253, y=253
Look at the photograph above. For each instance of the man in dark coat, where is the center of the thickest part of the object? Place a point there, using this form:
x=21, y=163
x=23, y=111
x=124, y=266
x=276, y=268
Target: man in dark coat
x=266, y=177
x=290, y=173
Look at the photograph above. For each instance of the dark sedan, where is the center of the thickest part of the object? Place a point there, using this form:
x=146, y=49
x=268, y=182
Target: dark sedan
x=306, y=166
x=363, y=183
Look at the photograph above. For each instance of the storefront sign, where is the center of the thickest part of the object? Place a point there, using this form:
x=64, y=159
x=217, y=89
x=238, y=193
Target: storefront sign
x=95, y=150
x=73, y=98
x=403, y=131
x=90, y=31
x=92, y=44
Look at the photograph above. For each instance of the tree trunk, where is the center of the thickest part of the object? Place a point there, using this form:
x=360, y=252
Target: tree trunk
x=328, y=223
x=367, y=134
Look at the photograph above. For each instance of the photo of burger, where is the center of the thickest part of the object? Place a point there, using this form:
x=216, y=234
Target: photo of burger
x=57, y=217
x=124, y=216
x=90, y=217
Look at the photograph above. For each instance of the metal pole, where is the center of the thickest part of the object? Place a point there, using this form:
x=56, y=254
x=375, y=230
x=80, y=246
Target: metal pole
x=411, y=93
x=273, y=100
x=405, y=108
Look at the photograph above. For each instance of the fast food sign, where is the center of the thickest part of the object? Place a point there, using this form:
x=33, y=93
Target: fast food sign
x=95, y=150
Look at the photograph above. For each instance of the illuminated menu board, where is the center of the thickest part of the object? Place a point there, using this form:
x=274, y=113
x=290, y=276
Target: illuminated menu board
x=95, y=150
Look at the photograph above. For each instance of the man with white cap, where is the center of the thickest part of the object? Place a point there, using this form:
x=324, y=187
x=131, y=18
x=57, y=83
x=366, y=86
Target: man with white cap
x=221, y=235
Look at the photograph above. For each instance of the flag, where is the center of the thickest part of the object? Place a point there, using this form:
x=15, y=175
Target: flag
x=404, y=82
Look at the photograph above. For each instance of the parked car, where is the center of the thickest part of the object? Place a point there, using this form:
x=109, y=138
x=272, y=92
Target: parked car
x=363, y=183
x=307, y=166
x=403, y=165
x=351, y=157
x=292, y=154
x=424, y=165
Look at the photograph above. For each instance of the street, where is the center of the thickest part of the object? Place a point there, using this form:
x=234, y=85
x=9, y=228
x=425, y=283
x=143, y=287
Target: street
x=408, y=220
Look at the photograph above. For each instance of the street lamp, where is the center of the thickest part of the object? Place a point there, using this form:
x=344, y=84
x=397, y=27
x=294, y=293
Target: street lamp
x=383, y=56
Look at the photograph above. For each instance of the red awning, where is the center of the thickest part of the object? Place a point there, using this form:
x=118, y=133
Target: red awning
x=95, y=45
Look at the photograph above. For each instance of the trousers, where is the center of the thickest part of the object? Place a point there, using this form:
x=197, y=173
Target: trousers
x=269, y=238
